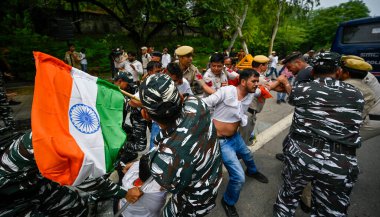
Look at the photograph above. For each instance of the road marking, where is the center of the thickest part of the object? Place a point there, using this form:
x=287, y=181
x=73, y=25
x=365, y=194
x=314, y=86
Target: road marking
x=271, y=132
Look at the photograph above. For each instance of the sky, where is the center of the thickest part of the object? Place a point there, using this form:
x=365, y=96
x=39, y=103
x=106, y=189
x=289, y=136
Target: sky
x=373, y=5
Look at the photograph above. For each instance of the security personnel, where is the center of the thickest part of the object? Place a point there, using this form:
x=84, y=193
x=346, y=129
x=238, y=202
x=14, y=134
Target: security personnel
x=137, y=132
x=187, y=161
x=354, y=72
x=25, y=192
x=190, y=72
x=321, y=145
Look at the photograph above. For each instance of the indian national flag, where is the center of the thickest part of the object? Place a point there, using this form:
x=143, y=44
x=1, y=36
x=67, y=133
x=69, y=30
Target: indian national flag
x=76, y=122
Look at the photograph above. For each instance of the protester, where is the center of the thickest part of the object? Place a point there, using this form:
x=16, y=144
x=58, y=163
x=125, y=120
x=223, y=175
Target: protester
x=229, y=104
x=215, y=77
x=231, y=70
x=260, y=65
x=324, y=134
x=153, y=198
x=289, y=75
x=187, y=160
x=174, y=71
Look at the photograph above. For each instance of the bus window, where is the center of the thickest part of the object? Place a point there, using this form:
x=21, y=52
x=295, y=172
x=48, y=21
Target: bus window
x=360, y=37
x=367, y=33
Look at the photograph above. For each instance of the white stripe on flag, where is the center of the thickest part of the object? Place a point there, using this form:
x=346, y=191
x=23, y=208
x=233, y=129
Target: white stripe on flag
x=85, y=125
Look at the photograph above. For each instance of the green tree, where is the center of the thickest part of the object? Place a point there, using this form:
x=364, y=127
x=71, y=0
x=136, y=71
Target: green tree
x=324, y=22
x=144, y=19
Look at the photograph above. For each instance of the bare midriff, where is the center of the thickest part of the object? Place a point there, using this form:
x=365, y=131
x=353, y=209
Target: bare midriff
x=226, y=129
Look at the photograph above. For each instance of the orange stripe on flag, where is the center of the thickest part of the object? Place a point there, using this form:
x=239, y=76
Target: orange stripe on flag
x=57, y=154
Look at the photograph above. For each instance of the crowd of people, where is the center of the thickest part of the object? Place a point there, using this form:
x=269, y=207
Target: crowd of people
x=336, y=106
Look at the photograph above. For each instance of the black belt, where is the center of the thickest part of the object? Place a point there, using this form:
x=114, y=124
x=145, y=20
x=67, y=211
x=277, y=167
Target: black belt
x=319, y=143
x=252, y=111
x=374, y=117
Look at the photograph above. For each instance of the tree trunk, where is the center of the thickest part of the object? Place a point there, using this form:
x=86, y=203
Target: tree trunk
x=233, y=39
x=275, y=27
x=238, y=31
x=243, y=43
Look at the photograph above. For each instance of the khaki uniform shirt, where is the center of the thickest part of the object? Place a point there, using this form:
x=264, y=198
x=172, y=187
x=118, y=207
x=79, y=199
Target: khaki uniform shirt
x=369, y=98
x=192, y=74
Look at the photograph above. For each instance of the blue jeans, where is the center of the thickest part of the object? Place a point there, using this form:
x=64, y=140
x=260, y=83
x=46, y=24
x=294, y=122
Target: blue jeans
x=281, y=96
x=155, y=131
x=271, y=71
x=232, y=148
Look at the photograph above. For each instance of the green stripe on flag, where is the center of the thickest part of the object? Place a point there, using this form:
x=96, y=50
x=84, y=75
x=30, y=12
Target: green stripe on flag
x=109, y=103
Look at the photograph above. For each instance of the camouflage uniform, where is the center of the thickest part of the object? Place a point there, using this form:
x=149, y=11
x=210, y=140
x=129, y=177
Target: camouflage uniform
x=5, y=110
x=321, y=147
x=136, y=134
x=137, y=137
x=25, y=192
x=187, y=162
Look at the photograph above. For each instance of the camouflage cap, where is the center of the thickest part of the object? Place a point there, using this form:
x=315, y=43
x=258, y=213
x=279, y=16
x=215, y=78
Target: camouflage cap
x=357, y=65
x=127, y=77
x=184, y=50
x=157, y=92
x=260, y=59
x=327, y=58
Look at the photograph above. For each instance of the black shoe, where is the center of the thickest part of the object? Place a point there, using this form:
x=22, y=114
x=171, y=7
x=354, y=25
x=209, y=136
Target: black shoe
x=258, y=176
x=278, y=101
x=304, y=207
x=230, y=210
x=280, y=157
x=283, y=101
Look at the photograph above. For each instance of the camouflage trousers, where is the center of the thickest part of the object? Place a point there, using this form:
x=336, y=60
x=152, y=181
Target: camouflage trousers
x=332, y=177
x=179, y=206
x=50, y=200
x=6, y=116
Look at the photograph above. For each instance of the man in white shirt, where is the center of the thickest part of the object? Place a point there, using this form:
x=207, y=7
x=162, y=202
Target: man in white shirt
x=133, y=66
x=166, y=58
x=145, y=58
x=153, y=199
x=216, y=76
x=175, y=73
x=229, y=104
x=273, y=66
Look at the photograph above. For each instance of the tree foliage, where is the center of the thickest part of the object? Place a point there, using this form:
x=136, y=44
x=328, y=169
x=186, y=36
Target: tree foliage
x=324, y=22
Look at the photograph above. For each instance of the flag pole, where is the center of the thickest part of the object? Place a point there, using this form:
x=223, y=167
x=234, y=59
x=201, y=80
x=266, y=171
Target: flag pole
x=129, y=95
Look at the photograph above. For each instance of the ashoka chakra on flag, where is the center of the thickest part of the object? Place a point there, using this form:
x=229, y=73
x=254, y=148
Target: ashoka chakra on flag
x=76, y=122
